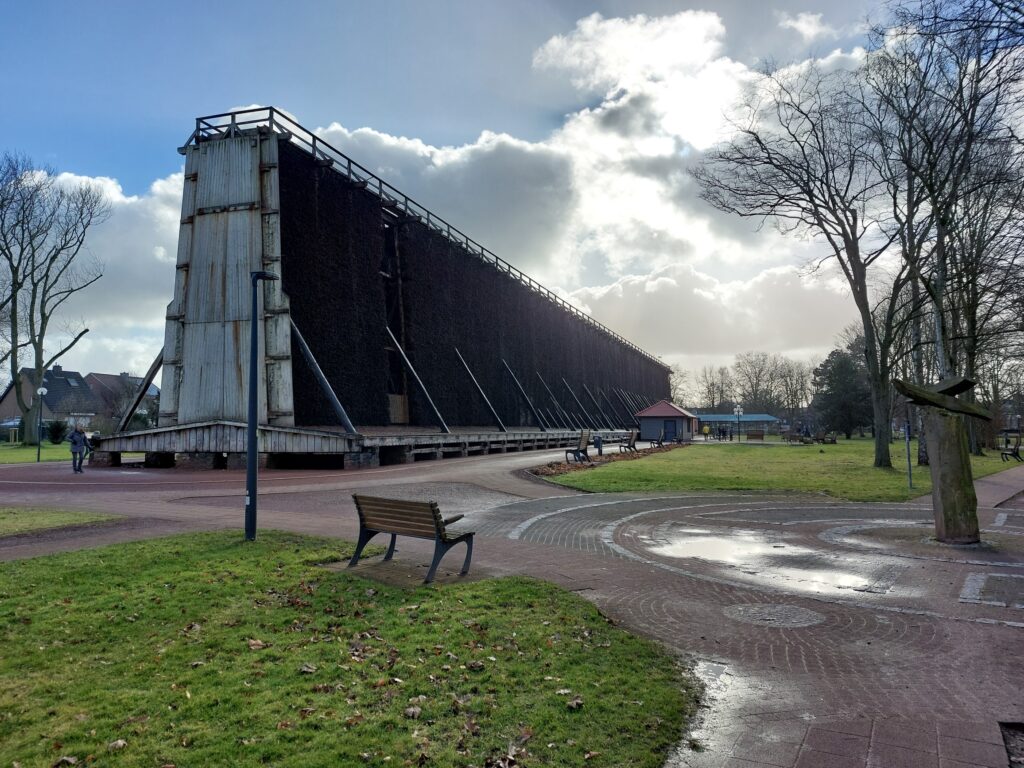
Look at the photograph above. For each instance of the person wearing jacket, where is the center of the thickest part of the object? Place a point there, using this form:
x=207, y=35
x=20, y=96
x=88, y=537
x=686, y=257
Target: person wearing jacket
x=79, y=447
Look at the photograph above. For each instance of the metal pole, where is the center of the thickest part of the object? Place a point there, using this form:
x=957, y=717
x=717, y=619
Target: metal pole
x=625, y=404
x=252, y=445
x=600, y=410
x=613, y=410
x=567, y=422
x=339, y=409
x=39, y=431
x=536, y=415
x=480, y=389
x=906, y=436
x=416, y=376
x=586, y=414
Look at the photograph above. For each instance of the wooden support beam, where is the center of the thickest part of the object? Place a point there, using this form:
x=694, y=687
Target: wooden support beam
x=140, y=394
x=936, y=399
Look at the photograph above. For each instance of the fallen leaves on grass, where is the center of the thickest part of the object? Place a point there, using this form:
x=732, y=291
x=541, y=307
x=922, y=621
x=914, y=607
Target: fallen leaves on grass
x=554, y=468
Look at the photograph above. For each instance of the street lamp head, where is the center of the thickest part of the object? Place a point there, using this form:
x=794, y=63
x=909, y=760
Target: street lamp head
x=263, y=276
x=42, y=391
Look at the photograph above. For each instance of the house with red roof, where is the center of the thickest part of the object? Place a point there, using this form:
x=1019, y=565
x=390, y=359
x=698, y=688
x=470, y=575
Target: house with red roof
x=667, y=421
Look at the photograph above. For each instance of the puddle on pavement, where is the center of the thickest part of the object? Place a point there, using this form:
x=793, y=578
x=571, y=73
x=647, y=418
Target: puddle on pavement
x=768, y=557
x=735, y=548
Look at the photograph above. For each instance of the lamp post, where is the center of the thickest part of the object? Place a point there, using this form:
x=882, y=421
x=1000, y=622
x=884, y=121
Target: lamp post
x=738, y=410
x=252, y=445
x=39, y=424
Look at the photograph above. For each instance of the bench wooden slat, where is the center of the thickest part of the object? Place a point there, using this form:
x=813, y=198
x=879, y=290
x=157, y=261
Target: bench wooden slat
x=419, y=519
x=391, y=525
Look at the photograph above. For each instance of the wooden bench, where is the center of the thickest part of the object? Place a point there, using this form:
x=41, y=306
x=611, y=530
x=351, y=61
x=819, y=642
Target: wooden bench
x=659, y=441
x=580, y=451
x=420, y=519
x=630, y=444
x=755, y=434
x=1011, y=451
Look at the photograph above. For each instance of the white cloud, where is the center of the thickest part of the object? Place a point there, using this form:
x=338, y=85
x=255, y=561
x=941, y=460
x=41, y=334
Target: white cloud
x=690, y=318
x=808, y=25
x=136, y=249
x=603, y=210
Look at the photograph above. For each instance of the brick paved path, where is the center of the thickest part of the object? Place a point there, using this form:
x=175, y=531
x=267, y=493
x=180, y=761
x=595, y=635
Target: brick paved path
x=830, y=634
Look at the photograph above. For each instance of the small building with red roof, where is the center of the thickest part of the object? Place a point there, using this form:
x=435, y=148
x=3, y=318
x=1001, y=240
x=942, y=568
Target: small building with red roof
x=666, y=421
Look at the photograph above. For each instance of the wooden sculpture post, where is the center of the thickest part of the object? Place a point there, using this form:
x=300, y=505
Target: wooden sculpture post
x=954, y=502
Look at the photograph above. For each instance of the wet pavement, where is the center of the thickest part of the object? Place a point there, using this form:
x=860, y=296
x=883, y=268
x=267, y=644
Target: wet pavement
x=828, y=633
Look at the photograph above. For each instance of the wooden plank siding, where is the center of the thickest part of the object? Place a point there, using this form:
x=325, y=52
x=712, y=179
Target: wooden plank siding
x=229, y=228
x=229, y=437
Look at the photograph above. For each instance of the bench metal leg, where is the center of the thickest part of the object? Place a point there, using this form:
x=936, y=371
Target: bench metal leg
x=441, y=549
x=364, y=537
x=391, y=548
x=469, y=556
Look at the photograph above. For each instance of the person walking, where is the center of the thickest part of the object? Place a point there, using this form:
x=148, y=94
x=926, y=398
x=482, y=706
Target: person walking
x=79, y=447
x=707, y=431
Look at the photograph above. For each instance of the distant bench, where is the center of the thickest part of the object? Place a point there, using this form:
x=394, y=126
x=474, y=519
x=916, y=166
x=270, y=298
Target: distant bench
x=579, y=452
x=630, y=445
x=755, y=434
x=419, y=519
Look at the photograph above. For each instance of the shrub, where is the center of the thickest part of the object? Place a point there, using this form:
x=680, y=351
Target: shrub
x=57, y=430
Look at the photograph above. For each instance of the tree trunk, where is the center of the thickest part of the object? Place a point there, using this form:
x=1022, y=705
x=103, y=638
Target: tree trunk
x=881, y=426
x=954, y=502
x=878, y=380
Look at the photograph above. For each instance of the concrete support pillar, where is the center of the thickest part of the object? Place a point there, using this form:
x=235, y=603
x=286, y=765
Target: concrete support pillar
x=105, y=459
x=237, y=461
x=362, y=460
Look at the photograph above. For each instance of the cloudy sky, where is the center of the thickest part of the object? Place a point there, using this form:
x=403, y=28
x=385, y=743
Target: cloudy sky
x=557, y=133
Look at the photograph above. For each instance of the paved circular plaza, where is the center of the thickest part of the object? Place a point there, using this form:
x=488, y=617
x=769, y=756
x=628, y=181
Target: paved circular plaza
x=829, y=633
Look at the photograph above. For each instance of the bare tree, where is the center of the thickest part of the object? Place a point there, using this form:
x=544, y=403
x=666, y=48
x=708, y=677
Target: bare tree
x=944, y=83
x=679, y=384
x=43, y=226
x=802, y=159
x=757, y=378
x=795, y=379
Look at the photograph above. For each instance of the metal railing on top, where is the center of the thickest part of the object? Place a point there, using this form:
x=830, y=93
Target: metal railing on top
x=230, y=124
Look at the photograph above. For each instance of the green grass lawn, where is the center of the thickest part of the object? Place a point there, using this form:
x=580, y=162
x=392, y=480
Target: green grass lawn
x=204, y=650
x=16, y=453
x=18, y=520
x=843, y=470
